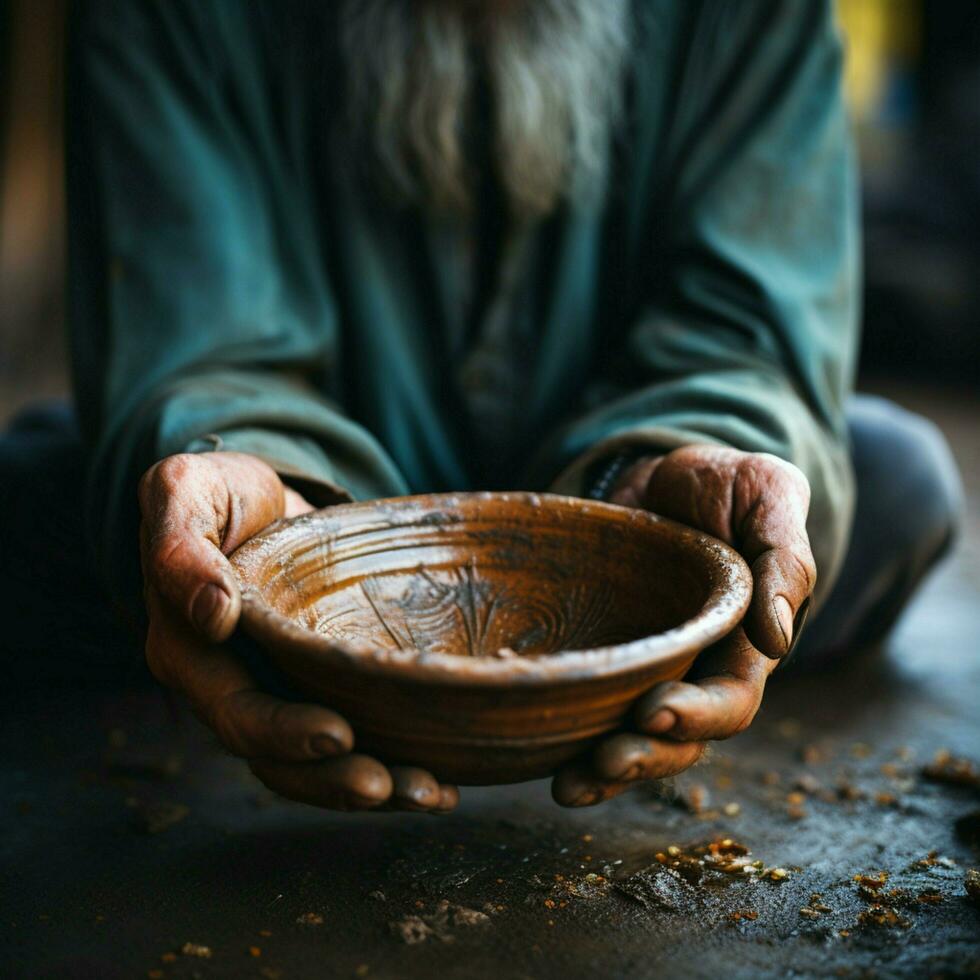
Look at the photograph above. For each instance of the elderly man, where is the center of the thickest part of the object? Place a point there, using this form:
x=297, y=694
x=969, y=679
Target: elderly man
x=323, y=251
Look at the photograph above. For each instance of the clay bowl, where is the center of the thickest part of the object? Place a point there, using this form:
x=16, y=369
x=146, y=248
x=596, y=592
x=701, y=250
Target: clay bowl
x=486, y=637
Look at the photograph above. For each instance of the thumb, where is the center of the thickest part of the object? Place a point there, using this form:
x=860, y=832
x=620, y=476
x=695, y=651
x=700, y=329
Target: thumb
x=196, y=509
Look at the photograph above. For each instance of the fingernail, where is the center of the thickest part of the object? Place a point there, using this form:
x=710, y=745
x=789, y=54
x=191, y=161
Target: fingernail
x=662, y=720
x=586, y=799
x=208, y=608
x=784, y=616
x=799, y=621
x=326, y=745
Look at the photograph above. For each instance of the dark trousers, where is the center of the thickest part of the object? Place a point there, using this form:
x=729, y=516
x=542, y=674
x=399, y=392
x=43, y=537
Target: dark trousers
x=58, y=624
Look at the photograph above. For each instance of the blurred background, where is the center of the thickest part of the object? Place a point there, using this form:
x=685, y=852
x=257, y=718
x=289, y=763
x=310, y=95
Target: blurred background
x=913, y=80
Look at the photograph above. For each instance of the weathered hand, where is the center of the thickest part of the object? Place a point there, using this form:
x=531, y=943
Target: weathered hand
x=758, y=504
x=196, y=510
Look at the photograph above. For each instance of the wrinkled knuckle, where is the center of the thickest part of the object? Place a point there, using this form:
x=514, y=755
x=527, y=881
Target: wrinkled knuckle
x=743, y=721
x=753, y=464
x=276, y=721
x=170, y=476
x=160, y=558
x=806, y=566
x=782, y=472
x=174, y=469
x=794, y=479
x=220, y=718
x=163, y=481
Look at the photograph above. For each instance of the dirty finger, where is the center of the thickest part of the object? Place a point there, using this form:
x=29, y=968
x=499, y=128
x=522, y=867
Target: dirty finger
x=349, y=782
x=628, y=757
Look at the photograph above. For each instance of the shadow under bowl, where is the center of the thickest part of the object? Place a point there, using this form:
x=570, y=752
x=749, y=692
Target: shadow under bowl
x=487, y=637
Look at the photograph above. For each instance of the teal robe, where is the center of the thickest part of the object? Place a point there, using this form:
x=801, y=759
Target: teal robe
x=234, y=284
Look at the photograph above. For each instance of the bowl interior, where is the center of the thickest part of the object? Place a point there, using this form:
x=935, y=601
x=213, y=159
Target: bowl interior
x=480, y=575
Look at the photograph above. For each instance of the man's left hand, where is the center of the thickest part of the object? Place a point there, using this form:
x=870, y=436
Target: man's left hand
x=758, y=504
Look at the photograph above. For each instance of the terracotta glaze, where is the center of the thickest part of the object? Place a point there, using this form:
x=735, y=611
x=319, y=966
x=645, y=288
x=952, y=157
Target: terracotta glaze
x=488, y=638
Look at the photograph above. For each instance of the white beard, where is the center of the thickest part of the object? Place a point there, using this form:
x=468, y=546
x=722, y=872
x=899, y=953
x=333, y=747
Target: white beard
x=555, y=73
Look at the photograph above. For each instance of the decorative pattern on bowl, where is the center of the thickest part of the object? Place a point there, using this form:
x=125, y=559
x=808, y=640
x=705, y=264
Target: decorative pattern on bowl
x=486, y=637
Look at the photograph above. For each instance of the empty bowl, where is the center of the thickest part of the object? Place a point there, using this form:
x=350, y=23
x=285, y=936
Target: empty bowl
x=487, y=637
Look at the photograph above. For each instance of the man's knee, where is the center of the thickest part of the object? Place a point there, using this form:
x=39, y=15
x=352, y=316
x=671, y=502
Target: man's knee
x=908, y=482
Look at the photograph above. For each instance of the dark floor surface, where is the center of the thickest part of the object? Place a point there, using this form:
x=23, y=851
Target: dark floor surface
x=87, y=891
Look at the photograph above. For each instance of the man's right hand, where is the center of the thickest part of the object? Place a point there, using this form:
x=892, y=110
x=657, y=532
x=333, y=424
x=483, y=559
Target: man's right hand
x=196, y=509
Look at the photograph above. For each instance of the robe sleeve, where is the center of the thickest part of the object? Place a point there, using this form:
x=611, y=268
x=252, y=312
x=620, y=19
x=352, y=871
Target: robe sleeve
x=748, y=330
x=200, y=315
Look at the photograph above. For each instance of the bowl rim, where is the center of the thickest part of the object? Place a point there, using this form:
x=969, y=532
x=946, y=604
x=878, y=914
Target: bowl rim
x=729, y=596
